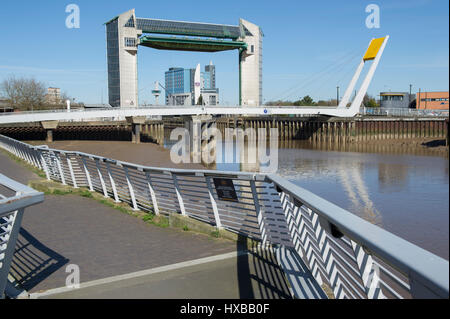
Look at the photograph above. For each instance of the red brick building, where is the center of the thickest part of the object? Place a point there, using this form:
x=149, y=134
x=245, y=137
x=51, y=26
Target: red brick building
x=432, y=100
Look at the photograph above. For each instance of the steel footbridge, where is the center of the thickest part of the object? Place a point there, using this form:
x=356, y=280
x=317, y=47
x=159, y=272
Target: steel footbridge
x=373, y=53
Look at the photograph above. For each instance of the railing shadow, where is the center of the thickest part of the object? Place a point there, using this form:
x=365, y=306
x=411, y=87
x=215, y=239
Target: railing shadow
x=259, y=275
x=33, y=262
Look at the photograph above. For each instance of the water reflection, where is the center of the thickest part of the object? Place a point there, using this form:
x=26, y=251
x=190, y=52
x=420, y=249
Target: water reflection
x=351, y=179
x=392, y=177
x=387, y=147
x=345, y=174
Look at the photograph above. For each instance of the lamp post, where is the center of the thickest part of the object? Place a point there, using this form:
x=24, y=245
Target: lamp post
x=337, y=94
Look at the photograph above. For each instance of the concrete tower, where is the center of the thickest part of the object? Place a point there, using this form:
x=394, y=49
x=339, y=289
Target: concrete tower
x=250, y=65
x=156, y=92
x=122, y=41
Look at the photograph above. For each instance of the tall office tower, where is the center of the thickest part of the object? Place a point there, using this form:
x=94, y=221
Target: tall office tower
x=209, y=92
x=210, y=72
x=184, y=86
x=179, y=86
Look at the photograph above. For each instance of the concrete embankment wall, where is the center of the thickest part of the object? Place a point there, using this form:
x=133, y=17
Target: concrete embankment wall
x=289, y=128
x=344, y=130
x=92, y=130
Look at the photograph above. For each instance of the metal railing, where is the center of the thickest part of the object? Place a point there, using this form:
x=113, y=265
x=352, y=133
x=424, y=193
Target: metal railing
x=14, y=198
x=379, y=111
x=199, y=109
x=351, y=256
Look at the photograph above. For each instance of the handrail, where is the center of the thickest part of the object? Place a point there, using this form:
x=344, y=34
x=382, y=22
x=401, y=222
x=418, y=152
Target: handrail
x=354, y=258
x=25, y=196
x=164, y=107
x=431, y=271
x=257, y=176
x=11, y=213
x=403, y=112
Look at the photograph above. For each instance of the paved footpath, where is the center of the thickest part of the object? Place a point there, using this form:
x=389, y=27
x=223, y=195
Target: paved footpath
x=104, y=243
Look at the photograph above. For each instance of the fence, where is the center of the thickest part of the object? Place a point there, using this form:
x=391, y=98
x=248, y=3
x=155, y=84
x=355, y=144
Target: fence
x=14, y=198
x=378, y=111
x=343, y=131
x=314, y=238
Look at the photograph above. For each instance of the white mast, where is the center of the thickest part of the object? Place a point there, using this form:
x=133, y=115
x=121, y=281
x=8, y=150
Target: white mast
x=197, y=84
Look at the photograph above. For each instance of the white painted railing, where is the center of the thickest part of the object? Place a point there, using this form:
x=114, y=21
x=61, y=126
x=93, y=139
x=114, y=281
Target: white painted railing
x=14, y=198
x=380, y=111
x=319, y=244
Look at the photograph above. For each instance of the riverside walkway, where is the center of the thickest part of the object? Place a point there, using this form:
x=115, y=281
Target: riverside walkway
x=120, y=256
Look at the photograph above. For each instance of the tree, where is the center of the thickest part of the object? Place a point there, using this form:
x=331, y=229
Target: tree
x=280, y=103
x=332, y=102
x=369, y=101
x=306, y=101
x=64, y=97
x=200, y=100
x=23, y=94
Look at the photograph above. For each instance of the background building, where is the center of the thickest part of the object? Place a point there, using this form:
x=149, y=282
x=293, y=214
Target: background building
x=53, y=96
x=179, y=83
x=5, y=106
x=209, y=92
x=209, y=76
x=432, y=101
x=182, y=89
x=396, y=100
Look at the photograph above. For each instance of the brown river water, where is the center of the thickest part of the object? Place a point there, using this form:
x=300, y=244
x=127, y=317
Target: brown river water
x=405, y=194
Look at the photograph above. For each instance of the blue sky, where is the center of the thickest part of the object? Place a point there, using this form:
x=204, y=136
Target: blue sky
x=301, y=39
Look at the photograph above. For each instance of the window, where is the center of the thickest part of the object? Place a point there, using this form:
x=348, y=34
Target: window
x=130, y=23
x=392, y=97
x=130, y=42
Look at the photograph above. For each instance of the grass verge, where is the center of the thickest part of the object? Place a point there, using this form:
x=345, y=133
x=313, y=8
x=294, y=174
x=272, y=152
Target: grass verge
x=20, y=161
x=54, y=188
x=171, y=220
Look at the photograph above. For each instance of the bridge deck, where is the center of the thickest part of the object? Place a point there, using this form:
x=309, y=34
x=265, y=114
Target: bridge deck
x=104, y=242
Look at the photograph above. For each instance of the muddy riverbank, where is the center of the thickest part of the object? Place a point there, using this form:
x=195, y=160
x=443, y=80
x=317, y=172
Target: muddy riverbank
x=434, y=145
x=148, y=154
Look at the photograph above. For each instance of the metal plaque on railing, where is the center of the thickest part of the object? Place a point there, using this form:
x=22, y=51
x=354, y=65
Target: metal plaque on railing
x=225, y=189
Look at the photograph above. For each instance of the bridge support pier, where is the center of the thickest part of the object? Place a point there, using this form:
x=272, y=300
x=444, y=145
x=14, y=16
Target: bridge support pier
x=49, y=126
x=195, y=126
x=136, y=123
x=136, y=133
x=49, y=138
